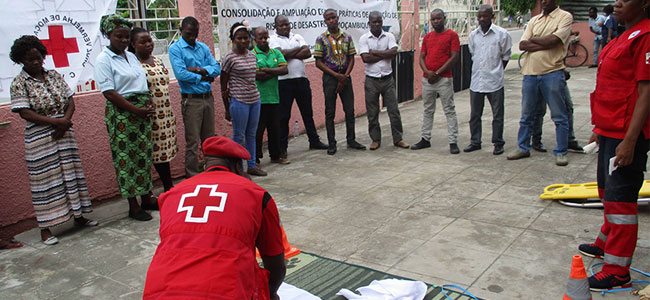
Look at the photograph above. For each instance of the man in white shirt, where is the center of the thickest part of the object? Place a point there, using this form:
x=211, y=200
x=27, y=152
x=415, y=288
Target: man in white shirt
x=294, y=85
x=377, y=48
x=490, y=47
x=596, y=23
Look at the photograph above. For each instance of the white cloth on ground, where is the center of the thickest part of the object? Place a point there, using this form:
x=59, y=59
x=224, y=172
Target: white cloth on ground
x=290, y=292
x=388, y=289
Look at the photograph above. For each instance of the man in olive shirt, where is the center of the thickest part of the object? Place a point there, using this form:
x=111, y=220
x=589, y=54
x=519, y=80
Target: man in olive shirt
x=545, y=41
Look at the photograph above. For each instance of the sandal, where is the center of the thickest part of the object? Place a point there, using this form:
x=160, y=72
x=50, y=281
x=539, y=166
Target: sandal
x=51, y=241
x=88, y=223
x=12, y=244
x=140, y=215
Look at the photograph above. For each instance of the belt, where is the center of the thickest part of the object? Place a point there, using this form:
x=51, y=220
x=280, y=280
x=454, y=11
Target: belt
x=203, y=96
x=382, y=77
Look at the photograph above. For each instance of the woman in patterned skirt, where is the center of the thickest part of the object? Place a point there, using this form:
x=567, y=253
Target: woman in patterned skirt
x=128, y=113
x=44, y=100
x=163, y=130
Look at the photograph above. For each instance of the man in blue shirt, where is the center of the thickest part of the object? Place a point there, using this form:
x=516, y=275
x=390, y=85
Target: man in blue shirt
x=596, y=23
x=609, y=29
x=195, y=69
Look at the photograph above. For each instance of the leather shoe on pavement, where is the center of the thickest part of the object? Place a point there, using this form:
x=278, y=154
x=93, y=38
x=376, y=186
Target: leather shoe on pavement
x=356, y=145
x=453, y=148
x=402, y=144
x=318, y=145
x=518, y=154
x=539, y=147
x=281, y=160
x=331, y=150
x=421, y=145
x=498, y=150
x=472, y=147
x=575, y=147
x=256, y=172
x=374, y=145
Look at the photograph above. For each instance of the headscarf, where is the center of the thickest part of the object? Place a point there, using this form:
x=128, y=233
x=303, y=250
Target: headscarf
x=112, y=22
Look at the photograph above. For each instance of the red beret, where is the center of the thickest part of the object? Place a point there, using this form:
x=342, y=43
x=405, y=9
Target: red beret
x=224, y=147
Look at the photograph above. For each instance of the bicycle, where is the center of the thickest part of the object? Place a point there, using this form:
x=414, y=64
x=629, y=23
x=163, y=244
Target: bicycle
x=576, y=54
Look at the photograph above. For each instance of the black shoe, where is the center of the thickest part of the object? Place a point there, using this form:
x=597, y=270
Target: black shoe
x=603, y=281
x=591, y=250
x=453, y=148
x=317, y=145
x=593, y=66
x=150, y=206
x=498, y=150
x=539, y=147
x=575, y=147
x=472, y=147
x=356, y=145
x=331, y=150
x=421, y=145
x=140, y=215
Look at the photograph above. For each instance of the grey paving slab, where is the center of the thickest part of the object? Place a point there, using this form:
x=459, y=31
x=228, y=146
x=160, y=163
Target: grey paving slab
x=472, y=219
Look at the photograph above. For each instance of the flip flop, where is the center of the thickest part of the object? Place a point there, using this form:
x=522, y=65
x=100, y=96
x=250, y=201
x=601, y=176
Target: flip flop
x=89, y=223
x=51, y=241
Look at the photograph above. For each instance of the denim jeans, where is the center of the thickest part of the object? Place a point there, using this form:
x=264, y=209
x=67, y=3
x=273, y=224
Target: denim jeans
x=245, y=117
x=597, y=43
x=547, y=87
x=537, y=124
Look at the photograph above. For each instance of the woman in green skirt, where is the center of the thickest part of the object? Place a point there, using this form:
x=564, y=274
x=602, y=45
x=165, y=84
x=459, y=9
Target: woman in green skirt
x=128, y=113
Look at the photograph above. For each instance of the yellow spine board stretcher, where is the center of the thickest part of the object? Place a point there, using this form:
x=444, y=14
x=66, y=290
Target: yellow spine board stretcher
x=585, y=194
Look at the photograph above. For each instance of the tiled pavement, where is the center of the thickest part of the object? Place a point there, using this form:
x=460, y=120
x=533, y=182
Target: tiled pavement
x=472, y=219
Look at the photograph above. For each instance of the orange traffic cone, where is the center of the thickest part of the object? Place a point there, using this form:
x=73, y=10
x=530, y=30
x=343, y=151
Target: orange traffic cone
x=578, y=286
x=289, y=250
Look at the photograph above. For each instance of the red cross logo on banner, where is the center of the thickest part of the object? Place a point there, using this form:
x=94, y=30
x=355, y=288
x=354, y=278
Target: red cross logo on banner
x=201, y=202
x=59, y=46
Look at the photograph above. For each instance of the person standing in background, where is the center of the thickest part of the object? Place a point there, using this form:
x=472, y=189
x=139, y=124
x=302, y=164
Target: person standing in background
x=195, y=69
x=596, y=23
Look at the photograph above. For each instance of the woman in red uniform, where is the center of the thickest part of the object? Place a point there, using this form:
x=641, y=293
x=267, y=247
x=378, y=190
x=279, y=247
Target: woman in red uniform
x=619, y=109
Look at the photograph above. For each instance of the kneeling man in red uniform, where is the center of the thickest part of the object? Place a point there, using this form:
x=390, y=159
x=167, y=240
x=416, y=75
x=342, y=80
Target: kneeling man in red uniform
x=210, y=225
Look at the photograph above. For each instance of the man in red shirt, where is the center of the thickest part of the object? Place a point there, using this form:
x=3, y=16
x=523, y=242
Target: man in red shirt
x=438, y=55
x=210, y=225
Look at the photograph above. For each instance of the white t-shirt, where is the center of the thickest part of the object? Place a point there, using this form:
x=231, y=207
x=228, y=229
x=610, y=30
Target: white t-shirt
x=368, y=42
x=296, y=66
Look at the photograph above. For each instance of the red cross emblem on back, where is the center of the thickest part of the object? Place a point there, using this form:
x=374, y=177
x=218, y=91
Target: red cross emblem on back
x=201, y=202
x=59, y=46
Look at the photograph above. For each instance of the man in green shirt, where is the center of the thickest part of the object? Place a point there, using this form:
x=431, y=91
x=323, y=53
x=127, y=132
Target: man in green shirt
x=270, y=64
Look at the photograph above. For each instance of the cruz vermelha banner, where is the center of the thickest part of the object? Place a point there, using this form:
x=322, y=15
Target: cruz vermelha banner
x=69, y=29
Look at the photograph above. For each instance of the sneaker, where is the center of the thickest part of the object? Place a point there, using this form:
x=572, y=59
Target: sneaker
x=421, y=145
x=453, y=148
x=281, y=160
x=603, y=281
x=517, y=155
x=575, y=147
x=591, y=250
x=539, y=147
x=561, y=160
x=256, y=172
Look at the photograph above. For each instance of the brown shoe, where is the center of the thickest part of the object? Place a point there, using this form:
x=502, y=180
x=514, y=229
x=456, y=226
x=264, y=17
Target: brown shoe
x=374, y=145
x=256, y=172
x=281, y=160
x=402, y=144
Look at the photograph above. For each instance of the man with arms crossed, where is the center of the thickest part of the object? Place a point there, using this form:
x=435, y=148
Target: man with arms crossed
x=377, y=48
x=195, y=69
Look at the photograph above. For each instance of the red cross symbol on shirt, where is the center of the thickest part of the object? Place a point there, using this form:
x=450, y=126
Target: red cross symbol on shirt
x=197, y=203
x=59, y=46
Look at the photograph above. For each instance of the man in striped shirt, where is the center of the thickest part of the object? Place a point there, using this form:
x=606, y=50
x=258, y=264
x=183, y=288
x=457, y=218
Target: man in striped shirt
x=334, y=53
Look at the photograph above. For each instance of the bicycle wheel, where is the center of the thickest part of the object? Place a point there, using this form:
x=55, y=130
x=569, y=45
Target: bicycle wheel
x=521, y=59
x=576, y=55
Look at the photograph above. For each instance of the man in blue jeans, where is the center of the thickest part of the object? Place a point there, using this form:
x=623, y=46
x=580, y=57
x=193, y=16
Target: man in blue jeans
x=545, y=41
x=596, y=23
